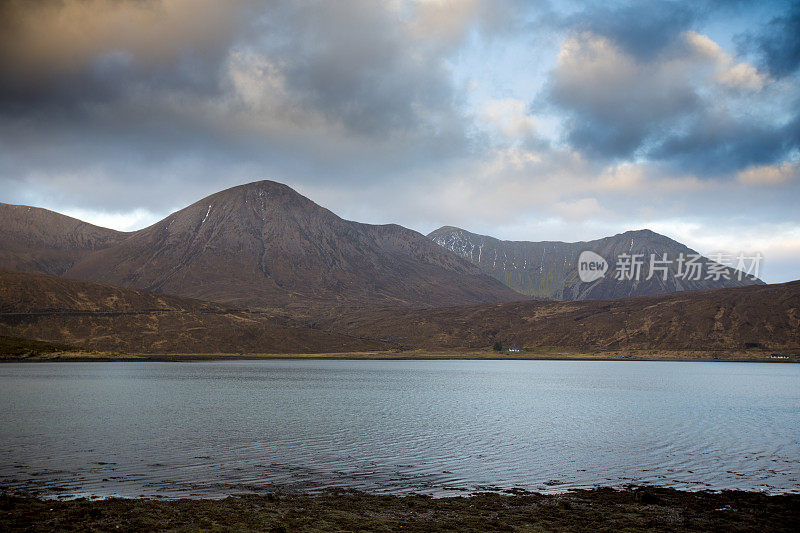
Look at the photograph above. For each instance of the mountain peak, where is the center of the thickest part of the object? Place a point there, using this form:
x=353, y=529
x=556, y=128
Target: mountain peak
x=262, y=189
x=264, y=244
x=446, y=229
x=643, y=231
x=266, y=186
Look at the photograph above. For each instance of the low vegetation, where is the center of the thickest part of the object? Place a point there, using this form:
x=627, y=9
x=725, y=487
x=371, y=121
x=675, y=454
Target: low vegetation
x=746, y=323
x=14, y=347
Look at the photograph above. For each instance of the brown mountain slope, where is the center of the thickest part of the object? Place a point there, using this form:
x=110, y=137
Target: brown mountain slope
x=22, y=292
x=550, y=269
x=99, y=317
x=263, y=244
x=38, y=240
x=764, y=316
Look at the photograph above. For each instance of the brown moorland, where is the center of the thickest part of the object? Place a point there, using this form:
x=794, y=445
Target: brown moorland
x=760, y=317
x=90, y=316
x=714, y=323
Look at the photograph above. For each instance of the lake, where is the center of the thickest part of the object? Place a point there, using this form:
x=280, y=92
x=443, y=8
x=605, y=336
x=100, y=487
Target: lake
x=438, y=427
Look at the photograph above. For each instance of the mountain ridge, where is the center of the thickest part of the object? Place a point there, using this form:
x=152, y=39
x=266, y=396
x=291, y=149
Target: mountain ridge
x=758, y=317
x=549, y=269
x=264, y=244
x=33, y=239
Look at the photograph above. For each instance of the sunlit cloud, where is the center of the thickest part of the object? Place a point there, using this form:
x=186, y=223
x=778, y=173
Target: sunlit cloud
x=770, y=174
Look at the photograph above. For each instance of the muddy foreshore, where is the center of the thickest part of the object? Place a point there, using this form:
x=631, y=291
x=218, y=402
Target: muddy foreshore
x=602, y=509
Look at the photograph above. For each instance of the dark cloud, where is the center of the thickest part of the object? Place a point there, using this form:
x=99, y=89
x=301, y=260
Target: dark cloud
x=614, y=101
x=714, y=144
x=777, y=43
x=642, y=29
x=623, y=125
x=632, y=85
x=79, y=51
x=693, y=106
x=289, y=90
x=356, y=64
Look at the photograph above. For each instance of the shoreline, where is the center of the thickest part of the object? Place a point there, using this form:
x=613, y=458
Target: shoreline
x=422, y=355
x=633, y=508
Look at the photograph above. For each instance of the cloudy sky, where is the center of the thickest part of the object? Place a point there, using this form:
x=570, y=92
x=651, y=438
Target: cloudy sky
x=520, y=119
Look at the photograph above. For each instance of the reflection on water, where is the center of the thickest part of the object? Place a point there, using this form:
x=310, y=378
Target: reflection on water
x=439, y=427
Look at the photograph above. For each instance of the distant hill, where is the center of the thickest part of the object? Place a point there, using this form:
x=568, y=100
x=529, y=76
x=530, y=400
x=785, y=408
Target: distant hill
x=764, y=317
x=99, y=317
x=263, y=244
x=38, y=240
x=550, y=269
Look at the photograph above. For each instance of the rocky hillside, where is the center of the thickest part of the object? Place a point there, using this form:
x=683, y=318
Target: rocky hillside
x=263, y=244
x=98, y=317
x=550, y=269
x=38, y=240
x=762, y=317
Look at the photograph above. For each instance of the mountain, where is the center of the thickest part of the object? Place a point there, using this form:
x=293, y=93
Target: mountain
x=99, y=317
x=38, y=240
x=550, y=269
x=263, y=244
x=759, y=317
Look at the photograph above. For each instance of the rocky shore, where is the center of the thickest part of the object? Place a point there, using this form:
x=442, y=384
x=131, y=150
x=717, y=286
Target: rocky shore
x=602, y=509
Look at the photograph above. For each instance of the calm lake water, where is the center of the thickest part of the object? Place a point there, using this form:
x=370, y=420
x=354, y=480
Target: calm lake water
x=438, y=427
